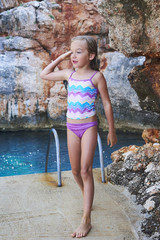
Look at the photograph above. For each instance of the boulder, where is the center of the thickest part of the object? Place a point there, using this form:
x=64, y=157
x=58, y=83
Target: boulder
x=151, y=135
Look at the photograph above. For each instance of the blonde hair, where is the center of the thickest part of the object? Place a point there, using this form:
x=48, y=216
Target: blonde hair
x=92, y=48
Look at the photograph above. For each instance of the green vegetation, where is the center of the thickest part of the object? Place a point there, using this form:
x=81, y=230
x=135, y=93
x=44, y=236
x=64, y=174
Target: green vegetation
x=8, y=37
x=51, y=16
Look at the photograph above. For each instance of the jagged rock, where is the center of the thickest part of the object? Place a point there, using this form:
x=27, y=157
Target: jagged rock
x=149, y=204
x=22, y=93
x=150, y=226
x=152, y=167
x=7, y=4
x=135, y=184
x=29, y=21
x=18, y=44
x=131, y=26
x=123, y=153
x=147, y=150
x=148, y=90
x=138, y=168
x=154, y=189
x=151, y=135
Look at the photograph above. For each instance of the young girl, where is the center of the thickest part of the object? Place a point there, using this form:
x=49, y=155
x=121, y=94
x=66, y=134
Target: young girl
x=84, y=84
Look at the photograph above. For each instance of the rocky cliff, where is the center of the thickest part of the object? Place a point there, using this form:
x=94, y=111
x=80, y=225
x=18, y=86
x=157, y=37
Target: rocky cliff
x=127, y=33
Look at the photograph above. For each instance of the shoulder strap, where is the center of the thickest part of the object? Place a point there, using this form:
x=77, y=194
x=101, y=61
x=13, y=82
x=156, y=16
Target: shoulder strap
x=91, y=80
x=93, y=75
x=71, y=74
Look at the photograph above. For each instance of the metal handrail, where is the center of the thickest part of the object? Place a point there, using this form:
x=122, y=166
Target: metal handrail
x=58, y=156
x=101, y=158
x=57, y=152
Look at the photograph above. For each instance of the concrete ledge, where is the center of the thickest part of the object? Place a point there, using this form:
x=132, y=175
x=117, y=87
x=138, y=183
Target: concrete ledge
x=33, y=207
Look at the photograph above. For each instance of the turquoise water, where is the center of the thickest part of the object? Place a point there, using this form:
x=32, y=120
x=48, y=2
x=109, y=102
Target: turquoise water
x=24, y=152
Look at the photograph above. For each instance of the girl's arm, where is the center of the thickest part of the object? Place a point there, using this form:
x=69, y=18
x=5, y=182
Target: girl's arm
x=48, y=72
x=102, y=88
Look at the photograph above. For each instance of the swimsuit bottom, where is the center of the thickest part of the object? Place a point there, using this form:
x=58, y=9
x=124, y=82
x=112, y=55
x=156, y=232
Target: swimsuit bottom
x=80, y=128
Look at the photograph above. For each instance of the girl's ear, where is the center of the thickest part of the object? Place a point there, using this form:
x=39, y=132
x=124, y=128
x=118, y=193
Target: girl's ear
x=91, y=56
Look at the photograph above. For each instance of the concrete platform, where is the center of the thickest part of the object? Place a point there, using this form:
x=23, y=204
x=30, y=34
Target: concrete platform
x=32, y=207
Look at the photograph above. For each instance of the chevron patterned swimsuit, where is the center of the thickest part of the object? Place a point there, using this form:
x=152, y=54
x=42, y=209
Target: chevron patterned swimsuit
x=81, y=103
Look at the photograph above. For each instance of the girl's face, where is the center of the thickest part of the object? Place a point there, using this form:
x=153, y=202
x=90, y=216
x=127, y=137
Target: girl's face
x=80, y=57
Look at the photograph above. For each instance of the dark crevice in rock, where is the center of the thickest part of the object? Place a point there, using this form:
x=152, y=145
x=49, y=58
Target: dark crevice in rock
x=43, y=47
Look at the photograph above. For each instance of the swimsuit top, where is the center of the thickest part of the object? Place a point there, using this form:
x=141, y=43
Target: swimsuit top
x=81, y=98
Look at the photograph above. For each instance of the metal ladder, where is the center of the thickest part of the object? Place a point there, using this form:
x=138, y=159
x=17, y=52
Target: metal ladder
x=54, y=132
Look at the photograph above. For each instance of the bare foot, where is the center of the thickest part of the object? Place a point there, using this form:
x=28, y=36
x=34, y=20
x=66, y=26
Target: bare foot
x=82, y=230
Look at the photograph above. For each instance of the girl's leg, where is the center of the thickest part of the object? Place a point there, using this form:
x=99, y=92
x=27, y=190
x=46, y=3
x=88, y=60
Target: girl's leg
x=74, y=149
x=88, y=146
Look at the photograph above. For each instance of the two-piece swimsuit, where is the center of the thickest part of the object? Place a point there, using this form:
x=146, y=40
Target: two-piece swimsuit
x=82, y=95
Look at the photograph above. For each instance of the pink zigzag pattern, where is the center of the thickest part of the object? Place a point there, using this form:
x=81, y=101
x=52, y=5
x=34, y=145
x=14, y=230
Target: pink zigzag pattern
x=82, y=95
x=81, y=111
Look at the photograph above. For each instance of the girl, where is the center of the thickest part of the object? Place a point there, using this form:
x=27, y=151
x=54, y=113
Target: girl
x=84, y=83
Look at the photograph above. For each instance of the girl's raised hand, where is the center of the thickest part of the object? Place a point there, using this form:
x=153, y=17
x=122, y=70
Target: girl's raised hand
x=48, y=72
x=65, y=55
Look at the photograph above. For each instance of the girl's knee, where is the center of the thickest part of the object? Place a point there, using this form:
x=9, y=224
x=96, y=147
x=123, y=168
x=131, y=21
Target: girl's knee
x=76, y=172
x=86, y=172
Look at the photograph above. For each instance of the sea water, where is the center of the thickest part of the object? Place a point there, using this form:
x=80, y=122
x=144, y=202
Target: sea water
x=24, y=152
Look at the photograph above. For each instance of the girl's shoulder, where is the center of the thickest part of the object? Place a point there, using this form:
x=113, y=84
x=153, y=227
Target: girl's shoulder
x=98, y=77
x=99, y=74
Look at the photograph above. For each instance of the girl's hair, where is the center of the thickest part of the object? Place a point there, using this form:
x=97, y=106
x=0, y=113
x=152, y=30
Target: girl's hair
x=92, y=48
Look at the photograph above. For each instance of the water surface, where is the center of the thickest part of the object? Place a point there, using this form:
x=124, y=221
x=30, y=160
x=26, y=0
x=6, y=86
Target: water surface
x=24, y=152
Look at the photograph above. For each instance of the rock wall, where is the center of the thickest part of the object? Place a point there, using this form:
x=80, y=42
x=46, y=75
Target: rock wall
x=134, y=30
x=33, y=32
x=133, y=26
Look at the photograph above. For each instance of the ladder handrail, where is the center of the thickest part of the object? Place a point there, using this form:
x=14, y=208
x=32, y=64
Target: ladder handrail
x=57, y=153
x=101, y=158
x=58, y=156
